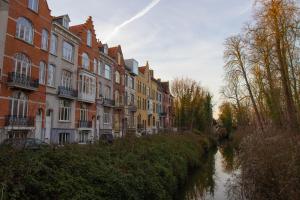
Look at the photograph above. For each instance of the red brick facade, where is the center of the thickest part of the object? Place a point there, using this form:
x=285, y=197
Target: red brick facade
x=39, y=20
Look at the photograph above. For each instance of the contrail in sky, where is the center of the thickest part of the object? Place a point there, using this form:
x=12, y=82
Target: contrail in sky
x=135, y=17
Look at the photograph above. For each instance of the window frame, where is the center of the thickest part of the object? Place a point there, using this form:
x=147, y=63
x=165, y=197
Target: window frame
x=65, y=111
x=53, y=44
x=42, y=73
x=52, y=84
x=25, y=30
x=33, y=5
x=68, y=50
x=45, y=40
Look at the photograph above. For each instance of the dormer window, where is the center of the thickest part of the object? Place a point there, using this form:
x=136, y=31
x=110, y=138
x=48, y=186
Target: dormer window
x=105, y=49
x=33, y=5
x=89, y=38
x=66, y=23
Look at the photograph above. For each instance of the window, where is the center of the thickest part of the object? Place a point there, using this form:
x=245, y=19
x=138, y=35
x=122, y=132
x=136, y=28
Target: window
x=19, y=105
x=107, y=93
x=66, y=79
x=45, y=36
x=83, y=137
x=68, y=51
x=84, y=113
x=64, y=138
x=106, y=117
x=118, y=78
x=85, y=61
x=66, y=22
x=107, y=72
x=95, y=66
x=100, y=89
x=24, y=30
x=99, y=68
x=51, y=76
x=64, y=110
x=126, y=80
x=89, y=38
x=42, y=73
x=33, y=5
x=53, y=46
x=22, y=65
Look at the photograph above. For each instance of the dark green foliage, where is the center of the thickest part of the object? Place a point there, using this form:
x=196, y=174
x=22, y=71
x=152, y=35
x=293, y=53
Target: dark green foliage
x=145, y=168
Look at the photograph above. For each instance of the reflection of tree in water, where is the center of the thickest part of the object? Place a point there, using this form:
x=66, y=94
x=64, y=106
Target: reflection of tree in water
x=228, y=161
x=202, y=184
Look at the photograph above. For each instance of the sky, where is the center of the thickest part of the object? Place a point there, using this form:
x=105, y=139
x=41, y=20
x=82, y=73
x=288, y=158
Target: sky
x=179, y=38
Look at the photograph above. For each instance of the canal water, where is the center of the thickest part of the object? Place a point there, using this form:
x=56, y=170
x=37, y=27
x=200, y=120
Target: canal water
x=211, y=181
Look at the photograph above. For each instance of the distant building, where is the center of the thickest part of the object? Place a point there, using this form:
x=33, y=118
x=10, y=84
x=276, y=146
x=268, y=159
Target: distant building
x=131, y=96
x=119, y=90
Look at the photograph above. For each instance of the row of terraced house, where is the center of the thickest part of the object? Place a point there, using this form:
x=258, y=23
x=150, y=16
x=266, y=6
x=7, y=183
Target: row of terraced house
x=61, y=84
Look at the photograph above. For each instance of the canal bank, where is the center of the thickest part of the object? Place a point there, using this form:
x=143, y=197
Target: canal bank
x=212, y=180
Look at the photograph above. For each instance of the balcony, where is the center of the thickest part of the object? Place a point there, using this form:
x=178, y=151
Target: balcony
x=132, y=108
x=18, y=121
x=67, y=93
x=163, y=114
x=119, y=105
x=88, y=98
x=21, y=81
x=85, y=124
x=108, y=103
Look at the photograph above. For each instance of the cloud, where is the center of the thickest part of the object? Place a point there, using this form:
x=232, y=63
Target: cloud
x=132, y=19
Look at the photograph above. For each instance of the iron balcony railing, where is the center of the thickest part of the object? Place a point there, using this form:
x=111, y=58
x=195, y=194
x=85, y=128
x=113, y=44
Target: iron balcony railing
x=132, y=107
x=18, y=121
x=108, y=102
x=67, y=92
x=22, y=81
x=85, y=124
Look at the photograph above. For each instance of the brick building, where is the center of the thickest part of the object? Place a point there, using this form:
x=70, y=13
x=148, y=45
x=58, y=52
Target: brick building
x=88, y=55
x=26, y=49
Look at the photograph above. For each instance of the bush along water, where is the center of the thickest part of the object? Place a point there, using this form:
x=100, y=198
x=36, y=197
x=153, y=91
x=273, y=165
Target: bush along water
x=146, y=168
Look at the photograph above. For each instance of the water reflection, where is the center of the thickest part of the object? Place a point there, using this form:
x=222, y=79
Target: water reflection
x=210, y=181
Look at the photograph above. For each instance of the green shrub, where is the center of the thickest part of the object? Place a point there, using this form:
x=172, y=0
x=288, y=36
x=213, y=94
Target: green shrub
x=145, y=168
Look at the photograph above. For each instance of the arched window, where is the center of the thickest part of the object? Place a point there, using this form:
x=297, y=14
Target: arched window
x=118, y=78
x=85, y=61
x=45, y=36
x=42, y=74
x=19, y=104
x=89, y=38
x=24, y=30
x=33, y=5
x=22, y=65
